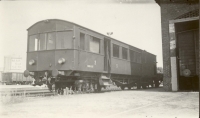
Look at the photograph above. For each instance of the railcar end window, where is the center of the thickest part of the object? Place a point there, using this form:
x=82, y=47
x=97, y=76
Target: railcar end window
x=94, y=44
x=82, y=41
x=33, y=43
x=115, y=50
x=124, y=53
x=51, y=41
x=42, y=42
x=64, y=40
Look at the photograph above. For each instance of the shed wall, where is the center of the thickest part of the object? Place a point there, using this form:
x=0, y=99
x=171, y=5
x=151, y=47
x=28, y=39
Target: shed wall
x=170, y=11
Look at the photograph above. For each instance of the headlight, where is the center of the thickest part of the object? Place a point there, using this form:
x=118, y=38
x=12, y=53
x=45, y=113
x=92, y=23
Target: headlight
x=31, y=62
x=61, y=61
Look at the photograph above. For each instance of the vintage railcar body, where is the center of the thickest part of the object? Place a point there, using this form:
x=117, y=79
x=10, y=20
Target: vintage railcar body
x=66, y=54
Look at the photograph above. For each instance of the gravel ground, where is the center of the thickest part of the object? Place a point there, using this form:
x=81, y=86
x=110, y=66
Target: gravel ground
x=148, y=103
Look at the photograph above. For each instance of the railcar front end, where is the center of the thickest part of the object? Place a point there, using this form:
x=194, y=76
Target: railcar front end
x=53, y=56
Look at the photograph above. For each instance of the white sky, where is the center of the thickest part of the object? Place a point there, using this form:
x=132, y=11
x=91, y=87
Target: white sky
x=135, y=24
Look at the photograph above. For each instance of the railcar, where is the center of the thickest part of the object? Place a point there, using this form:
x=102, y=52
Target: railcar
x=68, y=55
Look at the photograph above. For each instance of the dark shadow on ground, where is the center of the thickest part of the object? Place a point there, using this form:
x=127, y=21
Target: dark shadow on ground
x=159, y=89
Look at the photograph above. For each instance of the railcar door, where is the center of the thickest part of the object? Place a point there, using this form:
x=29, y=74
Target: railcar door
x=107, y=59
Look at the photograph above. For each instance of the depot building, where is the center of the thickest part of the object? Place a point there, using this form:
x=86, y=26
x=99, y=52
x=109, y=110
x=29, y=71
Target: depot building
x=180, y=44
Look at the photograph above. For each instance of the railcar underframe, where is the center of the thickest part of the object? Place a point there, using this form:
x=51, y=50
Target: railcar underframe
x=89, y=81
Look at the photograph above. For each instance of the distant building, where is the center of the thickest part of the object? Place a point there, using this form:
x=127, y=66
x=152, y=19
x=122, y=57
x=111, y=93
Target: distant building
x=12, y=73
x=13, y=64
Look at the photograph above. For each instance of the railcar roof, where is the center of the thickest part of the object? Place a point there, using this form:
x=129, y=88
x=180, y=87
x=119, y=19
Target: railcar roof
x=85, y=28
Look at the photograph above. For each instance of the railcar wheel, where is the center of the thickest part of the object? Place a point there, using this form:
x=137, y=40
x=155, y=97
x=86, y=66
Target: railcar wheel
x=49, y=87
x=152, y=85
x=129, y=88
x=98, y=88
x=122, y=87
x=144, y=86
x=156, y=84
x=138, y=86
x=54, y=88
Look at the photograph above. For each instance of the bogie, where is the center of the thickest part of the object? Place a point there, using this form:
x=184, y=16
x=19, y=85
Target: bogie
x=122, y=87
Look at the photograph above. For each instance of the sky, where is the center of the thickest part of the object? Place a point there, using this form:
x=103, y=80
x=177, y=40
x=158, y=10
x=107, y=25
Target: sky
x=137, y=24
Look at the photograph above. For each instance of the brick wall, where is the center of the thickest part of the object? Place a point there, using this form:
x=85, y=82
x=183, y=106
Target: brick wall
x=170, y=11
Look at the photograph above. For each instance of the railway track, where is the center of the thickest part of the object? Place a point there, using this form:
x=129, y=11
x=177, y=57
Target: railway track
x=16, y=94
x=26, y=92
x=43, y=91
x=19, y=94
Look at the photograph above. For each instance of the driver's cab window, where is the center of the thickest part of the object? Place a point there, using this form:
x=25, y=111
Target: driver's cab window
x=33, y=43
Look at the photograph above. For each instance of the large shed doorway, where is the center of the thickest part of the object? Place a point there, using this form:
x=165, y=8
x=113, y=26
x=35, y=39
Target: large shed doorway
x=184, y=46
x=188, y=56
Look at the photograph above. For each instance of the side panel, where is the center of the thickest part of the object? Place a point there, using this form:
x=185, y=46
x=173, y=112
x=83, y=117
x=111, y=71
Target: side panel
x=119, y=65
x=89, y=61
x=86, y=60
x=149, y=65
x=135, y=69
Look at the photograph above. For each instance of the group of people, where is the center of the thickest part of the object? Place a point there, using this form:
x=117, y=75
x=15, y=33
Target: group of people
x=42, y=81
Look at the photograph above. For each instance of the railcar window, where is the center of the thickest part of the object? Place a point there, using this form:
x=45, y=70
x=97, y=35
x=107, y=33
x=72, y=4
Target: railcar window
x=42, y=42
x=124, y=53
x=64, y=40
x=82, y=41
x=138, y=57
x=115, y=50
x=155, y=70
x=33, y=41
x=51, y=40
x=94, y=45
